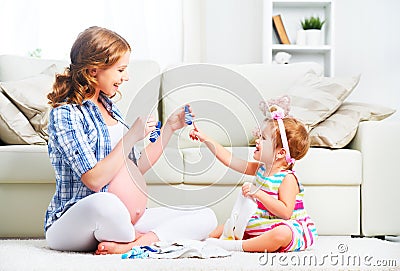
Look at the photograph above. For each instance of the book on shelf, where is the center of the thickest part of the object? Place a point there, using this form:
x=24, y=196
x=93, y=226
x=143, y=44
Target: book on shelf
x=279, y=29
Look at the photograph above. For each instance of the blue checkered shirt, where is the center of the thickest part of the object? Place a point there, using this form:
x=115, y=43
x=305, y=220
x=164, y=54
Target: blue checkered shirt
x=78, y=139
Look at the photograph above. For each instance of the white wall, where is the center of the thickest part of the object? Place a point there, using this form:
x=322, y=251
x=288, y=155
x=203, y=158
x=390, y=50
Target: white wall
x=152, y=27
x=233, y=31
x=367, y=36
x=367, y=40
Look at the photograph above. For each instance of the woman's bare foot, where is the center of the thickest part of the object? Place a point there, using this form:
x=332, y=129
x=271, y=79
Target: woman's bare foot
x=119, y=248
x=113, y=248
x=217, y=232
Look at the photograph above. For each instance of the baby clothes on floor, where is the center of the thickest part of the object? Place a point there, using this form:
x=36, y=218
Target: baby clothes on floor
x=178, y=249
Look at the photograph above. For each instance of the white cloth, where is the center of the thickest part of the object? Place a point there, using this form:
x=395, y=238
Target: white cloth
x=187, y=249
x=229, y=245
x=242, y=211
x=116, y=132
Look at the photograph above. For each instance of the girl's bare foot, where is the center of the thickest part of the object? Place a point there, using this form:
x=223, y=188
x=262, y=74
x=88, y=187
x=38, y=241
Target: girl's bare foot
x=119, y=248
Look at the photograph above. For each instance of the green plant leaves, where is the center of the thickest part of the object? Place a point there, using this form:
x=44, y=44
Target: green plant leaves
x=312, y=23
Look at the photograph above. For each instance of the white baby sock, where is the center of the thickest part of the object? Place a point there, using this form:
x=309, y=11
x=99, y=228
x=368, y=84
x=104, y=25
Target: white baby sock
x=230, y=245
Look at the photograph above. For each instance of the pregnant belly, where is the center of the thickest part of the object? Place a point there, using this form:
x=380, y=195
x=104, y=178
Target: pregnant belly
x=130, y=187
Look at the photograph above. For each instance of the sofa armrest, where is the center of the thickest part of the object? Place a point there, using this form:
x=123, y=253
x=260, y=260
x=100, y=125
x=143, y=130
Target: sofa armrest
x=378, y=143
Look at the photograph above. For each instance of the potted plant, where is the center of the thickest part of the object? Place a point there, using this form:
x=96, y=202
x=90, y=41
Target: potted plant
x=312, y=27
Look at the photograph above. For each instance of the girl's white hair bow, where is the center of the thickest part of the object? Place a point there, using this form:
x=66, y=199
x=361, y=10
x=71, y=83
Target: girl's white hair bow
x=278, y=109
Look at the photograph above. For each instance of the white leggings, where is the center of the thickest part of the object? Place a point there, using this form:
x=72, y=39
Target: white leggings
x=103, y=217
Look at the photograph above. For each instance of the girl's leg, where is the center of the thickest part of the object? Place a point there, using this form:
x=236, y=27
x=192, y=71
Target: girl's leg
x=96, y=218
x=271, y=241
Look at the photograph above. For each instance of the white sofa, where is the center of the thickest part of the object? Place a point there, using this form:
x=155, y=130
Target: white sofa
x=349, y=191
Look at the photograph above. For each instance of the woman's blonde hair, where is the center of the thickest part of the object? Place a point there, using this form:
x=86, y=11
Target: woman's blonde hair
x=95, y=47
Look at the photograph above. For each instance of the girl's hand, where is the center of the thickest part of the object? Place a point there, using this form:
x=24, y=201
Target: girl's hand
x=177, y=120
x=199, y=135
x=248, y=190
x=142, y=127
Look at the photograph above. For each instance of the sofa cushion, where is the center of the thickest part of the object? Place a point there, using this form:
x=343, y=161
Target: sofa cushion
x=230, y=92
x=30, y=96
x=334, y=209
x=273, y=80
x=315, y=98
x=340, y=128
x=318, y=167
x=14, y=126
x=34, y=160
x=168, y=169
x=219, y=198
x=13, y=67
x=38, y=169
x=321, y=203
x=202, y=167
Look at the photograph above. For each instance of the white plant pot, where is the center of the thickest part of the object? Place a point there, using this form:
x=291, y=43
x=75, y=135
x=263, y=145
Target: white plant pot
x=301, y=38
x=313, y=37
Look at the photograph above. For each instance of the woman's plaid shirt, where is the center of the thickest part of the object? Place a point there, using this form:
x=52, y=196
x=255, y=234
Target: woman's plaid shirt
x=78, y=139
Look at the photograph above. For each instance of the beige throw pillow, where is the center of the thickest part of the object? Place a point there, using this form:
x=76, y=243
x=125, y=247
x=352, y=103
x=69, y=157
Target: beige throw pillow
x=30, y=97
x=339, y=129
x=315, y=98
x=15, y=128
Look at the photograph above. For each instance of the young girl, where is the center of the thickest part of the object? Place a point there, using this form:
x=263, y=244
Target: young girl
x=280, y=222
x=100, y=200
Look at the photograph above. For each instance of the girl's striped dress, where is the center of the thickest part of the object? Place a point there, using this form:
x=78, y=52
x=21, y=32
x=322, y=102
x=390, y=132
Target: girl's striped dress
x=303, y=228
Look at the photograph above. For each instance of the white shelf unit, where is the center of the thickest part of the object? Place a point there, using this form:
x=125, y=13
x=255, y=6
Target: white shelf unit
x=292, y=13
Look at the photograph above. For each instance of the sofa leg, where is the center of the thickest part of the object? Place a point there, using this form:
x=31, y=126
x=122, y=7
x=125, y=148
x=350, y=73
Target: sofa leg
x=357, y=236
x=380, y=237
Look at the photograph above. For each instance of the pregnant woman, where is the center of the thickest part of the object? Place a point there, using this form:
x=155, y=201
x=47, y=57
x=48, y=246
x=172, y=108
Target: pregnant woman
x=100, y=199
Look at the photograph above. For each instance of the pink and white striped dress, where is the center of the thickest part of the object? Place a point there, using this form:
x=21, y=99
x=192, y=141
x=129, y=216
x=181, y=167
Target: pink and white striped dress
x=303, y=228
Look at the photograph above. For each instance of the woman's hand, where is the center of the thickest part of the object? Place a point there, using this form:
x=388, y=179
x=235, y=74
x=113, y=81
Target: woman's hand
x=177, y=120
x=141, y=128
